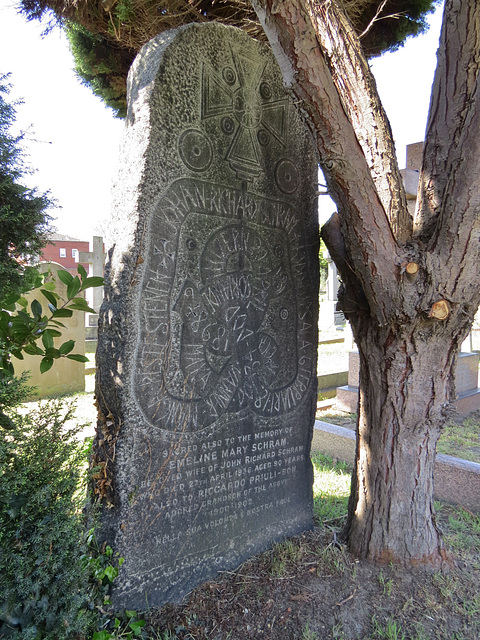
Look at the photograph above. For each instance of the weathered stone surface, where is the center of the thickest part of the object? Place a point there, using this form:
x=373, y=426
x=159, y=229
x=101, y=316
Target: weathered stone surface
x=206, y=376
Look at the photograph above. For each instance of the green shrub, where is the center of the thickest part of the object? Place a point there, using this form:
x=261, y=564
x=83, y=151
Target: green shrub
x=43, y=585
x=12, y=392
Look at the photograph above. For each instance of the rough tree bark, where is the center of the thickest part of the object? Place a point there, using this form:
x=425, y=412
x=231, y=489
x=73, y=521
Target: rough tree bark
x=412, y=287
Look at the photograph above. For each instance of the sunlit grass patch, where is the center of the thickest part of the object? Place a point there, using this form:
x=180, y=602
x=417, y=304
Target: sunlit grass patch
x=332, y=358
x=331, y=487
x=461, y=528
x=336, y=416
x=461, y=439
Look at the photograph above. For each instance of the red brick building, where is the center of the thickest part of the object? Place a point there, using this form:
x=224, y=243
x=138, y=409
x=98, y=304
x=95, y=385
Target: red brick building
x=64, y=250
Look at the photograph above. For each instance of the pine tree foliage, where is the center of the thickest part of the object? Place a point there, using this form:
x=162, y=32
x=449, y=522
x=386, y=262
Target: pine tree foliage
x=105, y=36
x=101, y=66
x=24, y=215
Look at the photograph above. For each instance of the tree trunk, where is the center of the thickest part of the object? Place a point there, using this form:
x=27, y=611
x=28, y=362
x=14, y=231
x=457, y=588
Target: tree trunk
x=403, y=385
x=410, y=290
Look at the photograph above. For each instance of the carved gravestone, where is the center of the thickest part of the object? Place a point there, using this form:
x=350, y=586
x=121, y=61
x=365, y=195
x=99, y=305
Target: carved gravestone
x=206, y=377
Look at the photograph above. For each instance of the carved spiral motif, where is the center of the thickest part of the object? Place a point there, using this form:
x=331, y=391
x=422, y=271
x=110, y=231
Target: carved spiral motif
x=265, y=91
x=227, y=125
x=263, y=137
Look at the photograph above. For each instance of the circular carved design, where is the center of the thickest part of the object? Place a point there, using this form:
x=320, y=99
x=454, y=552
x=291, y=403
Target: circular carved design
x=265, y=91
x=286, y=176
x=227, y=125
x=229, y=75
x=191, y=244
x=195, y=150
x=284, y=313
x=263, y=137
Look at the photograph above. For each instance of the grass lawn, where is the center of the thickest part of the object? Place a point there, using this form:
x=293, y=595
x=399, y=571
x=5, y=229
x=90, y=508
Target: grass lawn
x=310, y=588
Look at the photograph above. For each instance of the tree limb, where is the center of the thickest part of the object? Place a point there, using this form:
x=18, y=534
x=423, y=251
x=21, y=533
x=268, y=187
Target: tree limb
x=369, y=25
x=452, y=107
x=373, y=251
x=351, y=299
x=358, y=92
x=448, y=211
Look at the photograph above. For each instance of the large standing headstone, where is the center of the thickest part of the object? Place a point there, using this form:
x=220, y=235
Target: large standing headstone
x=207, y=336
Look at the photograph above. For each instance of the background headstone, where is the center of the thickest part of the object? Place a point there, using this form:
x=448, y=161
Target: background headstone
x=329, y=318
x=66, y=376
x=206, y=360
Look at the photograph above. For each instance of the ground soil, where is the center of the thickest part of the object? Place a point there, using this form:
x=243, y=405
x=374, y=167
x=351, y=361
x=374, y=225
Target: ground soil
x=311, y=588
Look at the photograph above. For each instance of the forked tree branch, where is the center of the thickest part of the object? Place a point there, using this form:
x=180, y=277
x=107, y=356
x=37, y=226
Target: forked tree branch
x=357, y=89
x=374, y=19
x=373, y=250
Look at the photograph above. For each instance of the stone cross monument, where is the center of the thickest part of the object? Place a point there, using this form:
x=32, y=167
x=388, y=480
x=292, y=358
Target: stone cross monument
x=206, y=360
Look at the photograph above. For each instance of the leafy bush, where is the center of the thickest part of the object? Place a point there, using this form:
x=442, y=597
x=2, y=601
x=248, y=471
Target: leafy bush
x=43, y=585
x=21, y=329
x=12, y=392
x=47, y=591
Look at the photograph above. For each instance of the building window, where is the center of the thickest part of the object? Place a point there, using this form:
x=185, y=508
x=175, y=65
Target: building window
x=63, y=253
x=75, y=254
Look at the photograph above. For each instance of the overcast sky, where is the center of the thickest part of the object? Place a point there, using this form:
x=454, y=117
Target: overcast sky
x=73, y=138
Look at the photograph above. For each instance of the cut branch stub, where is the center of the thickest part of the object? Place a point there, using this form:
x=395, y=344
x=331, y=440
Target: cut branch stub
x=440, y=310
x=412, y=269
